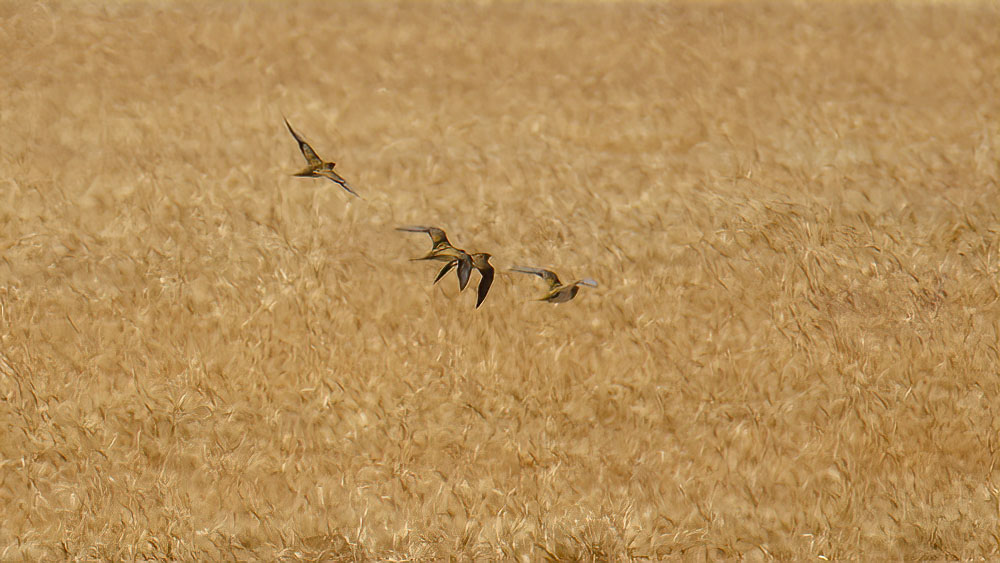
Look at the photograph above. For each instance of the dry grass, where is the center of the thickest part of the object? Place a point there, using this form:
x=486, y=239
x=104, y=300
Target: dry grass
x=792, y=211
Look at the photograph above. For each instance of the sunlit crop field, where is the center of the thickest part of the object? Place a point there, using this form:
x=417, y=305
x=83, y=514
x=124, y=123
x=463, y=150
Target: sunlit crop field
x=791, y=210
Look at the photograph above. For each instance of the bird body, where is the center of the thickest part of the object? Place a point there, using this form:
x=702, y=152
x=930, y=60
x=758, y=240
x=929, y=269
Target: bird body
x=562, y=294
x=558, y=291
x=442, y=251
x=317, y=167
x=444, y=254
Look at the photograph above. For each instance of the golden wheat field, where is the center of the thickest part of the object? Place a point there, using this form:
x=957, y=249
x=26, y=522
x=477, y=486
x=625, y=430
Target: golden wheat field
x=791, y=210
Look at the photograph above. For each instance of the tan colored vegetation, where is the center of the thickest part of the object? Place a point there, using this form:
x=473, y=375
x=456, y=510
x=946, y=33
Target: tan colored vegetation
x=791, y=209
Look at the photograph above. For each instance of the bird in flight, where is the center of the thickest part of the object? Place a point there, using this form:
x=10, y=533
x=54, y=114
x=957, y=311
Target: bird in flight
x=443, y=251
x=317, y=167
x=558, y=291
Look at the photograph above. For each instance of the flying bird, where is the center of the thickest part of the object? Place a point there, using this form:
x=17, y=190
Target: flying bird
x=558, y=291
x=317, y=167
x=443, y=251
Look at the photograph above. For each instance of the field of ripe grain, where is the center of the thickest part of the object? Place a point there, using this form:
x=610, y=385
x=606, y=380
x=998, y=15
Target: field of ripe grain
x=791, y=209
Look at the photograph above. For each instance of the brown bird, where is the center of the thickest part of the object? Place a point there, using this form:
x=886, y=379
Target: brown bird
x=318, y=168
x=558, y=291
x=443, y=251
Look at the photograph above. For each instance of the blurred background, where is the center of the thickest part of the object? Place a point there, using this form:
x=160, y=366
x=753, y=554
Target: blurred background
x=790, y=209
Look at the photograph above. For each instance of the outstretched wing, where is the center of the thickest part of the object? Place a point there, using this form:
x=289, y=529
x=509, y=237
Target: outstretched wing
x=311, y=157
x=589, y=282
x=484, y=284
x=414, y=229
x=547, y=275
x=332, y=175
x=438, y=238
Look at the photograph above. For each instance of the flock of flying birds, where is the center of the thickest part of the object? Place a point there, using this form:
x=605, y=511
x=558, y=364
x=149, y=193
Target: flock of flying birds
x=443, y=251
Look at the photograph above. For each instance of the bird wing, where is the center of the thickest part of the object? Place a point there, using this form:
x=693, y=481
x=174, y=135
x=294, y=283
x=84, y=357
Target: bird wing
x=589, y=282
x=445, y=269
x=437, y=235
x=547, y=275
x=464, y=271
x=332, y=175
x=414, y=229
x=311, y=157
x=484, y=284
